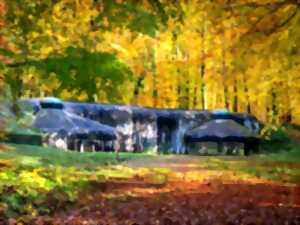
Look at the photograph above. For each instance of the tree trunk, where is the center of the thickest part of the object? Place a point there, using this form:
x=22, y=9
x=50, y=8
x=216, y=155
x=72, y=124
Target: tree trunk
x=202, y=75
x=235, y=98
x=154, y=84
x=202, y=67
x=224, y=72
x=246, y=91
x=274, y=106
x=287, y=117
x=137, y=87
x=16, y=85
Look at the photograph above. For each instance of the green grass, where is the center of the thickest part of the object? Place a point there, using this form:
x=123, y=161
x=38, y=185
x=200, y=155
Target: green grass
x=38, y=180
x=292, y=155
x=283, y=166
x=29, y=155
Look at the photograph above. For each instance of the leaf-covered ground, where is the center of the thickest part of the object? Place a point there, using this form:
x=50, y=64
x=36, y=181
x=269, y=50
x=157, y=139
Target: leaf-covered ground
x=212, y=202
x=149, y=190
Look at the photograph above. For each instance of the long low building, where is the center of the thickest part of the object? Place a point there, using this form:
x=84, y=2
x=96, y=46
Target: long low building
x=139, y=129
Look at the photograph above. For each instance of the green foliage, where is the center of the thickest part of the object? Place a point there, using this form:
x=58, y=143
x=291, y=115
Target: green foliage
x=28, y=28
x=26, y=190
x=133, y=15
x=144, y=23
x=84, y=71
x=276, y=140
x=7, y=53
x=39, y=180
x=279, y=136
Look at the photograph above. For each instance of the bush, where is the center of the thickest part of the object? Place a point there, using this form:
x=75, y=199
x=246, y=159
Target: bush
x=36, y=191
x=276, y=139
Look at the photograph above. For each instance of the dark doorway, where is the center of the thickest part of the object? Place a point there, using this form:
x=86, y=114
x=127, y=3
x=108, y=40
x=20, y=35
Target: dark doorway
x=165, y=133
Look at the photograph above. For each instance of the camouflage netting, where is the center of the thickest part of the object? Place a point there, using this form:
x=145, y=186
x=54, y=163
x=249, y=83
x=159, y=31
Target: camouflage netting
x=52, y=118
x=139, y=129
x=220, y=130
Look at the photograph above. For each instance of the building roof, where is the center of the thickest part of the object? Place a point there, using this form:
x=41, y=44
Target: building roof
x=56, y=120
x=220, y=130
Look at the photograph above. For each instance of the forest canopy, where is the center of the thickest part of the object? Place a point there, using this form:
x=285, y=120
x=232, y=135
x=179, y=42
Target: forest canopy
x=195, y=54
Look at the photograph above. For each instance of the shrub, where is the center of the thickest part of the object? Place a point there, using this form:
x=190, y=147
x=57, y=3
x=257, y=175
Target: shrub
x=35, y=191
x=275, y=139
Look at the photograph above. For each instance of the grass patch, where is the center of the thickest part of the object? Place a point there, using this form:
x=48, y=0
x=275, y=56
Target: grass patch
x=29, y=155
x=283, y=166
x=292, y=155
x=38, y=180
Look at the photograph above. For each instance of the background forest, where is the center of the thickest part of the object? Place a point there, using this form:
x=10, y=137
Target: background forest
x=239, y=55
x=194, y=54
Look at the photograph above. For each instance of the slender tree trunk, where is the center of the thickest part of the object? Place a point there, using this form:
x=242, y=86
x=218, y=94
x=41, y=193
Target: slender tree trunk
x=137, y=88
x=195, y=97
x=274, y=106
x=15, y=84
x=225, y=91
x=267, y=112
x=202, y=76
x=154, y=77
x=287, y=117
x=15, y=106
x=202, y=66
x=235, y=98
x=91, y=97
x=246, y=91
x=224, y=71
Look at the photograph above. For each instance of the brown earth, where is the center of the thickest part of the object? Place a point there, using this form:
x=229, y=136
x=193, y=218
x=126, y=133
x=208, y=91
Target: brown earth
x=180, y=201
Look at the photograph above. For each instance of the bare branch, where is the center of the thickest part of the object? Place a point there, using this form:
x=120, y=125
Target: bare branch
x=264, y=5
x=253, y=27
x=285, y=22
